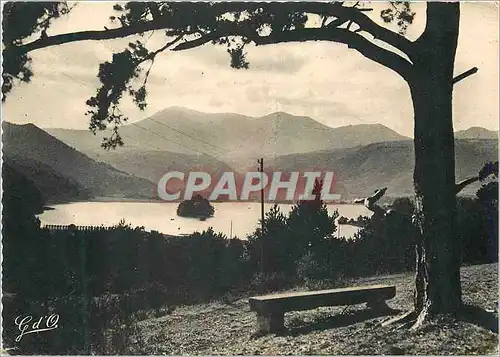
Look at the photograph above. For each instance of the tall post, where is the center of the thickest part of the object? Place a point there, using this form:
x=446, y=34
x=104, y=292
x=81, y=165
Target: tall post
x=261, y=170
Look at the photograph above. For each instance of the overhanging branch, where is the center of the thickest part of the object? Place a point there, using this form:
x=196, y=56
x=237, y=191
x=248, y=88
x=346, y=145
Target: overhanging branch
x=347, y=13
x=352, y=40
x=119, y=32
x=371, y=202
x=343, y=13
x=462, y=184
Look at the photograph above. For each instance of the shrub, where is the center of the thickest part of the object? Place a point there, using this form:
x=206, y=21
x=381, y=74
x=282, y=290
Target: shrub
x=308, y=268
x=263, y=283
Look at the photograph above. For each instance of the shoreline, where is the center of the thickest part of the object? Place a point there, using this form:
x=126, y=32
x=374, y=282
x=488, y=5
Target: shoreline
x=146, y=200
x=246, y=216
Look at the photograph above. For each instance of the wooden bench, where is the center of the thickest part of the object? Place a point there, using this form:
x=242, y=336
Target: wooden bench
x=271, y=308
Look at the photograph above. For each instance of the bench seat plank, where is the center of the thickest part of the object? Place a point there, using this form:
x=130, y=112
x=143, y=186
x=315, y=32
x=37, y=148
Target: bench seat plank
x=306, y=300
x=271, y=308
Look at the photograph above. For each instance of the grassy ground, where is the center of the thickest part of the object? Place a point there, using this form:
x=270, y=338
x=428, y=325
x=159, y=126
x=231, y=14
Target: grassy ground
x=227, y=328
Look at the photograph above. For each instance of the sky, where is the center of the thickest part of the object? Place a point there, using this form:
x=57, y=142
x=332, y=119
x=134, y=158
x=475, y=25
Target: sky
x=326, y=81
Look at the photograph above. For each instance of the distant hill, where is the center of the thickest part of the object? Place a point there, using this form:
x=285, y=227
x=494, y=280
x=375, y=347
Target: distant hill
x=476, y=132
x=34, y=152
x=152, y=165
x=361, y=170
x=54, y=187
x=230, y=137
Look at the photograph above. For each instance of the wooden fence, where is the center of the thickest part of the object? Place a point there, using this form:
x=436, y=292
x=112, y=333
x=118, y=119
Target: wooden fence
x=76, y=228
x=73, y=227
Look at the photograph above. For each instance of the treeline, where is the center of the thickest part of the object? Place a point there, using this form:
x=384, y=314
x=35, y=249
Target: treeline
x=100, y=281
x=303, y=245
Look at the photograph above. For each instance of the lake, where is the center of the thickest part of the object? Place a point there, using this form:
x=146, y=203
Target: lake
x=162, y=217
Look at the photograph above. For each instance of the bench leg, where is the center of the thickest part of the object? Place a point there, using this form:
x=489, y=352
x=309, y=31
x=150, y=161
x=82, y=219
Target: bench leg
x=378, y=305
x=271, y=322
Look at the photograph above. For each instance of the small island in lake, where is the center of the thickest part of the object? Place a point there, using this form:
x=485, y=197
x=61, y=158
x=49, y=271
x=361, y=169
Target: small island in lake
x=197, y=207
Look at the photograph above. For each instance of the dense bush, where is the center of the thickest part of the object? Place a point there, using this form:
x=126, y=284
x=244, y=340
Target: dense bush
x=269, y=250
x=478, y=229
x=310, y=268
x=286, y=239
x=266, y=282
x=386, y=245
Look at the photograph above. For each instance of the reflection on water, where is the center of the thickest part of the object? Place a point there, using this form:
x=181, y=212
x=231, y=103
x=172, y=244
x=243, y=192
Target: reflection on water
x=162, y=217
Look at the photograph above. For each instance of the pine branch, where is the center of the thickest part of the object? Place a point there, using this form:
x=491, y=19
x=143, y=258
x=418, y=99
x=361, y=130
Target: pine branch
x=464, y=75
x=462, y=184
x=96, y=35
x=353, y=40
x=366, y=24
x=371, y=202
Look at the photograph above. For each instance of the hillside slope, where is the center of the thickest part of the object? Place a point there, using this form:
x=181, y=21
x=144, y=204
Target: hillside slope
x=152, y=165
x=37, y=149
x=360, y=171
x=476, y=132
x=53, y=186
x=228, y=327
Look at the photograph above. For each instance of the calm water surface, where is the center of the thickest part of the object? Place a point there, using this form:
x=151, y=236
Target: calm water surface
x=162, y=217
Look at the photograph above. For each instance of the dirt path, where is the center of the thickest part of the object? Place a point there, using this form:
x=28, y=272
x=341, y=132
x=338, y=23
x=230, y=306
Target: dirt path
x=228, y=329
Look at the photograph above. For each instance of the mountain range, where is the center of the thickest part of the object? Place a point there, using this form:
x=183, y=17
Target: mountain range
x=232, y=138
x=70, y=164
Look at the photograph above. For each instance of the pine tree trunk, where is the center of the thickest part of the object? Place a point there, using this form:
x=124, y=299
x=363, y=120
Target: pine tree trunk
x=438, y=256
x=438, y=288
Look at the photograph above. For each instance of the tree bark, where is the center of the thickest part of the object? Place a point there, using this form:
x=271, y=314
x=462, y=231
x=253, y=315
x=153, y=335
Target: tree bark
x=438, y=288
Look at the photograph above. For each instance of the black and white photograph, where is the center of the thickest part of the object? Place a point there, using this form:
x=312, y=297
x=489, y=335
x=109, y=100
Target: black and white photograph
x=249, y=178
